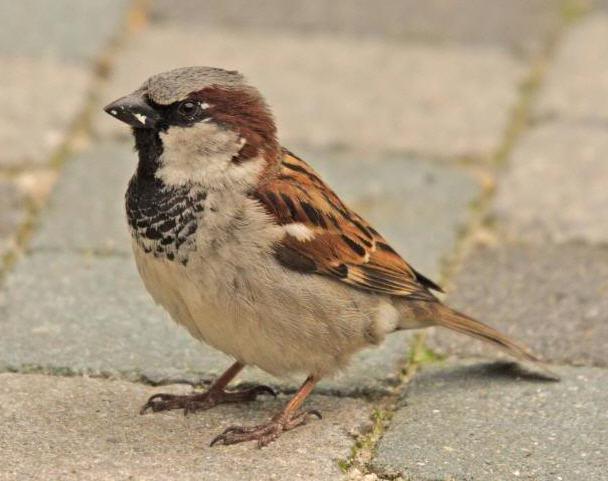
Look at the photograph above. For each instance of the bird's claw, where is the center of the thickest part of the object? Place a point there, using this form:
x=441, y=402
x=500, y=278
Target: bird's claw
x=200, y=401
x=264, y=433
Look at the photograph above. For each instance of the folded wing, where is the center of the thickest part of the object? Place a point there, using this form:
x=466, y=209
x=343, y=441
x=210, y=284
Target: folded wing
x=323, y=236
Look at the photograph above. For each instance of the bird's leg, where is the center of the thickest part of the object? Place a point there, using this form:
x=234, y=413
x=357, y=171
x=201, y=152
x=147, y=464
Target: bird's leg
x=205, y=400
x=290, y=417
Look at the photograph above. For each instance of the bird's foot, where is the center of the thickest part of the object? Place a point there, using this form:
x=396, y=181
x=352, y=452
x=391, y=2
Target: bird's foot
x=265, y=433
x=200, y=401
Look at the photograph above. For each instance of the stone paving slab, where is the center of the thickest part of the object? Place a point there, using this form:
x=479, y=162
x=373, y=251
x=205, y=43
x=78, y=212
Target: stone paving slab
x=89, y=429
x=39, y=99
x=328, y=90
x=86, y=211
x=576, y=82
x=554, y=298
x=479, y=422
x=569, y=160
x=68, y=29
x=517, y=24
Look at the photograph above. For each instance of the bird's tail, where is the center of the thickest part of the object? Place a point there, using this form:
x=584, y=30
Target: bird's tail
x=456, y=321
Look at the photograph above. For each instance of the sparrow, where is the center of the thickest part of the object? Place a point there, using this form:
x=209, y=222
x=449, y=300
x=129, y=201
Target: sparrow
x=246, y=246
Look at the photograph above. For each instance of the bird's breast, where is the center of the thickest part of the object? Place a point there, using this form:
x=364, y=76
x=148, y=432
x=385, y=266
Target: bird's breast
x=164, y=220
x=179, y=223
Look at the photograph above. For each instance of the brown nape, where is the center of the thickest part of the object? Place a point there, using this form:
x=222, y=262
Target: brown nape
x=244, y=110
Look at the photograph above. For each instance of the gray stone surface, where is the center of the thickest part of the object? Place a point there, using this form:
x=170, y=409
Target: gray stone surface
x=46, y=52
x=352, y=84
x=86, y=211
x=89, y=429
x=553, y=298
x=555, y=186
x=480, y=422
x=518, y=24
x=39, y=99
x=66, y=29
x=329, y=90
x=576, y=83
x=12, y=214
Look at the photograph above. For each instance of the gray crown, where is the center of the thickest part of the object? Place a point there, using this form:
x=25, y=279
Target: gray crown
x=175, y=85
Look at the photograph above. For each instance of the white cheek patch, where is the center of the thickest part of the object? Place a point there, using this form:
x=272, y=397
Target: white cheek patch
x=203, y=154
x=141, y=117
x=204, y=105
x=300, y=231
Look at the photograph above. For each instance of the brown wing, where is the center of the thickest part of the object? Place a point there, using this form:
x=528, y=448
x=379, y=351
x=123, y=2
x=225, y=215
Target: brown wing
x=336, y=241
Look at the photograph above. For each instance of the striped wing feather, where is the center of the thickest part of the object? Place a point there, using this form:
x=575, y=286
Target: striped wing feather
x=343, y=245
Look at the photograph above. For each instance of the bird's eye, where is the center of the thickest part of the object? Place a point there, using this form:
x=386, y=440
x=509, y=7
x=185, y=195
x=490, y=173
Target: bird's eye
x=188, y=108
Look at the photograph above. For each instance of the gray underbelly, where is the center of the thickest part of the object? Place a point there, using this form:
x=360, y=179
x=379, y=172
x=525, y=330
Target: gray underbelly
x=263, y=315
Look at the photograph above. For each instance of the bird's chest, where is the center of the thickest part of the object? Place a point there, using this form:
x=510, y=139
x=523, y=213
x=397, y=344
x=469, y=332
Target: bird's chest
x=214, y=230
x=211, y=282
x=175, y=223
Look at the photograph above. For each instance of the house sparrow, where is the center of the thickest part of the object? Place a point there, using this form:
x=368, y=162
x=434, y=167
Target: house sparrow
x=246, y=246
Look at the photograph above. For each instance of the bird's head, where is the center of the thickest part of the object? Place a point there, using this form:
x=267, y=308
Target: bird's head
x=200, y=125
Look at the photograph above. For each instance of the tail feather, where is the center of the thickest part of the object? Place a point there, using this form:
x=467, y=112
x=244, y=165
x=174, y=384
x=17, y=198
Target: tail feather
x=459, y=322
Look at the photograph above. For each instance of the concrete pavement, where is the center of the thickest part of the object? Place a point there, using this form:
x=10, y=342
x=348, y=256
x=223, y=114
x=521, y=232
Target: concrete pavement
x=470, y=133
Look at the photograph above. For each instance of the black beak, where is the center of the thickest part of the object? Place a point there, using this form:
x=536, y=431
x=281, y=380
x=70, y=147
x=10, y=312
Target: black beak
x=134, y=111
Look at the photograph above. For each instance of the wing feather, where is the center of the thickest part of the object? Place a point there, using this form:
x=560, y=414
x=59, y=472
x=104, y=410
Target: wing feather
x=342, y=244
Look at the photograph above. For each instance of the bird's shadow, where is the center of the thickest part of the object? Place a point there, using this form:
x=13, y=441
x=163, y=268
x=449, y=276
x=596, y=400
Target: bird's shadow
x=498, y=371
x=515, y=370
